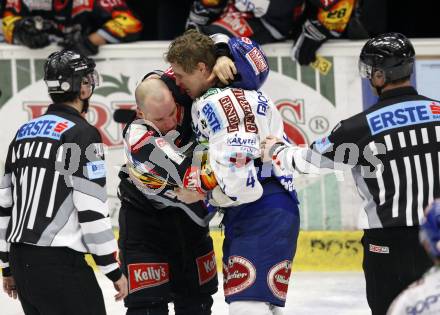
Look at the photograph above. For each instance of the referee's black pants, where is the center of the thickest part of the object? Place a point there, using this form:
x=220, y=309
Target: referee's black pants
x=393, y=259
x=54, y=281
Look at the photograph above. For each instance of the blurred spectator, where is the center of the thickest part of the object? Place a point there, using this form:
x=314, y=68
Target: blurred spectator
x=323, y=20
x=81, y=26
x=264, y=21
x=2, y=38
x=162, y=19
x=309, y=22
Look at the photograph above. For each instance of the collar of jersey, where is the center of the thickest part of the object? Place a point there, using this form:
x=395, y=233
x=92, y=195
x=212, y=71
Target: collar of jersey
x=407, y=90
x=60, y=107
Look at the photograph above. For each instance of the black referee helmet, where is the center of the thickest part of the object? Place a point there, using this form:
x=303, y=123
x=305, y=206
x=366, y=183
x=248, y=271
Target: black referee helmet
x=391, y=53
x=65, y=70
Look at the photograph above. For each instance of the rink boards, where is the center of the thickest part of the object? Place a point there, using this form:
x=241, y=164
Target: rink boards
x=316, y=250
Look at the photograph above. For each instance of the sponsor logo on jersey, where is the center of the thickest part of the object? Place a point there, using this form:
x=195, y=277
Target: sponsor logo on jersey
x=13, y=4
x=246, y=40
x=262, y=104
x=257, y=61
x=46, y=126
x=435, y=108
x=238, y=275
x=80, y=6
x=379, y=249
x=111, y=3
x=147, y=275
x=206, y=267
x=322, y=145
x=424, y=306
x=191, y=179
x=402, y=115
x=248, y=144
x=278, y=279
x=249, y=118
x=235, y=23
x=237, y=141
x=212, y=117
x=230, y=112
x=211, y=92
x=336, y=16
x=288, y=184
x=35, y=5
x=95, y=170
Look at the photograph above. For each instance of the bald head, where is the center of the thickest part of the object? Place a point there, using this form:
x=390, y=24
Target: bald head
x=151, y=91
x=156, y=103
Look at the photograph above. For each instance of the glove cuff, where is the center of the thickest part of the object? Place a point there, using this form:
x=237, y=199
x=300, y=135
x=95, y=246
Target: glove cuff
x=217, y=198
x=198, y=19
x=92, y=48
x=313, y=30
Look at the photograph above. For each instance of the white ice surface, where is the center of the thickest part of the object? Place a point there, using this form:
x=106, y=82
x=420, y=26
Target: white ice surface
x=310, y=293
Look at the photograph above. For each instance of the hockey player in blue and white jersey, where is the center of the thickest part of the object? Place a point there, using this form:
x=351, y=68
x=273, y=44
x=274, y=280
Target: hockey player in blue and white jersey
x=261, y=216
x=423, y=296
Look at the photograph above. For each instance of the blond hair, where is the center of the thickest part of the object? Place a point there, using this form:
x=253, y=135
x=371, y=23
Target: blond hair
x=191, y=48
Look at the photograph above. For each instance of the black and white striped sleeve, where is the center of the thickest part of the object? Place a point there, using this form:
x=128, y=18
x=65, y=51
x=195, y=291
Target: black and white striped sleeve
x=338, y=149
x=90, y=199
x=6, y=201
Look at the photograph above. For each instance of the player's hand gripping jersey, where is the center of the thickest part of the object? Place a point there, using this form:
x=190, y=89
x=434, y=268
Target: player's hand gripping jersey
x=231, y=122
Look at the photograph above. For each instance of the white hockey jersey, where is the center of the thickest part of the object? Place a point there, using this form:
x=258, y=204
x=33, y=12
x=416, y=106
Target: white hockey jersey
x=421, y=298
x=232, y=122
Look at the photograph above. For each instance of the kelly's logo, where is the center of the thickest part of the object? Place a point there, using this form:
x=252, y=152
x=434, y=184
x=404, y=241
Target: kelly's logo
x=147, y=275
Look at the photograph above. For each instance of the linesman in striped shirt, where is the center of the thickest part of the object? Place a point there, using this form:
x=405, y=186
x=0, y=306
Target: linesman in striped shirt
x=393, y=149
x=53, y=206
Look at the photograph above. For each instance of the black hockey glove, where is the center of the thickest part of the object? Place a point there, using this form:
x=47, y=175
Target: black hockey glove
x=31, y=32
x=313, y=35
x=201, y=14
x=79, y=43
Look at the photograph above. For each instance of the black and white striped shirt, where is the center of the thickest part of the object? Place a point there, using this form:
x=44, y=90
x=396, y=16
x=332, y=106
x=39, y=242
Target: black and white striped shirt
x=52, y=192
x=394, y=150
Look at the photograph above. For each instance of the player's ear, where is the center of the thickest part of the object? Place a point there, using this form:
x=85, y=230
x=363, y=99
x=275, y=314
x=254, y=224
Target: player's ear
x=201, y=67
x=139, y=113
x=378, y=78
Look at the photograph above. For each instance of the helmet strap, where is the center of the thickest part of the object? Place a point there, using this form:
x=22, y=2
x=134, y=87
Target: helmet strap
x=378, y=76
x=86, y=102
x=377, y=90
